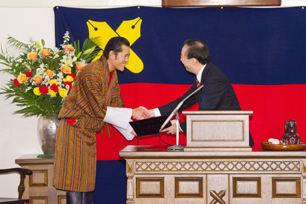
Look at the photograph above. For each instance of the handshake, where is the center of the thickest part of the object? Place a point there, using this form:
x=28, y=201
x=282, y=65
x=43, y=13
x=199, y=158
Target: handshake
x=142, y=113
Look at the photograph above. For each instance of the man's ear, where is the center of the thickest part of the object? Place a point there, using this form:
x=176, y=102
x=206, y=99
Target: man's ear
x=194, y=61
x=111, y=55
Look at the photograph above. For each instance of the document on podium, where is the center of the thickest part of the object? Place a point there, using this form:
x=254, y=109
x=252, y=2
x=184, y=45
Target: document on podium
x=149, y=126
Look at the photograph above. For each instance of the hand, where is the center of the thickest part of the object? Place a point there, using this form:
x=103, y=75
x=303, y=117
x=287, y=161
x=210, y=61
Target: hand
x=140, y=113
x=134, y=133
x=150, y=112
x=170, y=130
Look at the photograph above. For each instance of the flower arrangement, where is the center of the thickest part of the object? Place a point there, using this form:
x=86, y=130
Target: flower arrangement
x=43, y=77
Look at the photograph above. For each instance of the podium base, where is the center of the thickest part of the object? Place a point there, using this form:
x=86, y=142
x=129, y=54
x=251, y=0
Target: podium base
x=176, y=147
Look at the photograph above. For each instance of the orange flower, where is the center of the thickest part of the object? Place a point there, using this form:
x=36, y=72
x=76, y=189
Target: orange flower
x=65, y=69
x=45, y=52
x=68, y=48
x=49, y=73
x=32, y=56
x=37, y=79
x=79, y=66
x=22, y=78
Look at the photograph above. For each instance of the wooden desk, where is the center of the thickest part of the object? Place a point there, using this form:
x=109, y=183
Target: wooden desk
x=155, y=175
x=39, y=188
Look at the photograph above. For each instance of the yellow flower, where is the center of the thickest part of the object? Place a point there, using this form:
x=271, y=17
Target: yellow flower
x=65, y=69
x=52, y=93
x=68, y=78
x=53, y=81
x=62, y=92
x=45, y=52
x=22, y=78
x=32, y=56
x=36, y=91
x=49, y=73
x=37, y=79
x=79, y=66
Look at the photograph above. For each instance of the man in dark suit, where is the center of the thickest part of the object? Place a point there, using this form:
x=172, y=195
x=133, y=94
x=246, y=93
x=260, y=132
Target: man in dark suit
x=217, y=93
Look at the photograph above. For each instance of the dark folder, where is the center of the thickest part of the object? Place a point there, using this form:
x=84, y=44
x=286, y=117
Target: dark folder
x=149, y=126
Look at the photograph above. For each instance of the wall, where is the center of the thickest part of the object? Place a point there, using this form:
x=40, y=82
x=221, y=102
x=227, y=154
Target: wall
x=34, y=18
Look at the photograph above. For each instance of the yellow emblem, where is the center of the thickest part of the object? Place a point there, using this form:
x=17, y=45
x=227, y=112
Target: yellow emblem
x=101, y=32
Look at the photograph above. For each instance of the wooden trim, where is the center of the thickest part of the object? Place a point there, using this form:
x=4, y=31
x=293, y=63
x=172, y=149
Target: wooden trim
x=297, y=181
x=43, y=182
x=250, y=179
x=191, y=179
x=217, y=3
x=154, y=179
x=38, y=199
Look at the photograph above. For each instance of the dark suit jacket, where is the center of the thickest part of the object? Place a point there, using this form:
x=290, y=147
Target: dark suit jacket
x=217, y=94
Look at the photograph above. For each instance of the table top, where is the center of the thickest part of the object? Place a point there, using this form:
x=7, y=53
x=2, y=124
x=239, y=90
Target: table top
x=33, y=159
x=145, y=151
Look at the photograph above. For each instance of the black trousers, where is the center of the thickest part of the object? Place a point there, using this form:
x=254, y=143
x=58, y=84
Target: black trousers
x=79, y=197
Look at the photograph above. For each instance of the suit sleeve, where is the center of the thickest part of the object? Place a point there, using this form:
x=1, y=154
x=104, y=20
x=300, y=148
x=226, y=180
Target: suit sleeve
x=212, y=94
x=168, y=108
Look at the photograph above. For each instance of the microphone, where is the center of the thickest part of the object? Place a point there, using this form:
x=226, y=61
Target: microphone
x=178, y=107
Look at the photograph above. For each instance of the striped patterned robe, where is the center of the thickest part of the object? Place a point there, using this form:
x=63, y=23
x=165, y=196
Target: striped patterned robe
x=75, y=148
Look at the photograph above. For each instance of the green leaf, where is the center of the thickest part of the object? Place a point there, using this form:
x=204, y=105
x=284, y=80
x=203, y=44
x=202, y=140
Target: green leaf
x=43, y=42
x=38, y=45
x=79, y=55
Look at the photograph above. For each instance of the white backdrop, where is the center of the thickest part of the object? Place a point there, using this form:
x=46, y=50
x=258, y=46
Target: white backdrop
x=35, y=18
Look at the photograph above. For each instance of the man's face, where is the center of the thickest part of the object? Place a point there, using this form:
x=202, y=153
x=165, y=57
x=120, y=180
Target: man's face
x=184, y=60
x=121, y=59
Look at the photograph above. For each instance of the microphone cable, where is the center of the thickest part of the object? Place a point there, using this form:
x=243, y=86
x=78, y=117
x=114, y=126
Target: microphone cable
x=166, y=142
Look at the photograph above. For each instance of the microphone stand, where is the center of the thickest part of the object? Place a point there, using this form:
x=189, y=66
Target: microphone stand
x=177, y=146
x=175, y=111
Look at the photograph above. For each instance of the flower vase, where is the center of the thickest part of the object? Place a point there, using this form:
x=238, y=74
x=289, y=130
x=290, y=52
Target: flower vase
x=46, y=130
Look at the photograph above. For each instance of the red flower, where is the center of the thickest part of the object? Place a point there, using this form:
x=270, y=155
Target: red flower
x=28, y=74
x=73, y=75
x=44, y=90
x=54, y=87
x=16, y=82
x=68, y=83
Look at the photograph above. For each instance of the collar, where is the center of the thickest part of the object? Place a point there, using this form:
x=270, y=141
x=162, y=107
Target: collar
x=199, y=75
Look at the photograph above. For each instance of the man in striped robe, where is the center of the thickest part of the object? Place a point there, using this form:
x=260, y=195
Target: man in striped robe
x=94, y=100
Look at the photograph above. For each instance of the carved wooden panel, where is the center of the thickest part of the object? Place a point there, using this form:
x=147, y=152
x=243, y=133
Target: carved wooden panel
x=217, y=130
x=150, y=187
x=188, y=187
x=246, y=187
x=39, y=178
x=204, y=166
x=207, y=3
x=286, y=187
x=38, y=199
x=61, y=199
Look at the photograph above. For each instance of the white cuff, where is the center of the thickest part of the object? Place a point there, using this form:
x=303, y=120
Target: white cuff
x=119, y=117
x=156, y=112
x=126, y=132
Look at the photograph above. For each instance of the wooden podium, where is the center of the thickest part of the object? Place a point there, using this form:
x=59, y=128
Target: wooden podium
x=217, y=130
x=216, y=167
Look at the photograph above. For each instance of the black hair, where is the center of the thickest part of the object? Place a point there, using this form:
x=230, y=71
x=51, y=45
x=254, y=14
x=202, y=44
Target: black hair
x=198, y=50
x=115, y=44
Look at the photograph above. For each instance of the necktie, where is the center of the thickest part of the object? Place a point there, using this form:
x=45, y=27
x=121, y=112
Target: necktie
x=198, y=83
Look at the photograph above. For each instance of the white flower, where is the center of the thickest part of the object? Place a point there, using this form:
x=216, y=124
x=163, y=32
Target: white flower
x=27, y=66
x=67, y=60
x=42, y=66
x=60, y=75
x=39, y=71
x=29, y=88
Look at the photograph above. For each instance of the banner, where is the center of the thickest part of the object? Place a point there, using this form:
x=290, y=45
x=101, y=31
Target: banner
x=262, y=52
